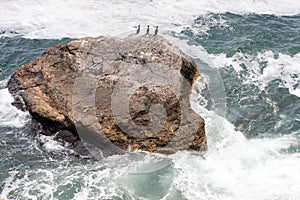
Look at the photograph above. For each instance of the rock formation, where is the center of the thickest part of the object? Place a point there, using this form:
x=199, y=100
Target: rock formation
x=114, y=94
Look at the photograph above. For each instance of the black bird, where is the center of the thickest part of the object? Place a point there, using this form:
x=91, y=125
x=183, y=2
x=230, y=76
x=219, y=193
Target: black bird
x=156, y=30
x=138, y=29
x=148, y=29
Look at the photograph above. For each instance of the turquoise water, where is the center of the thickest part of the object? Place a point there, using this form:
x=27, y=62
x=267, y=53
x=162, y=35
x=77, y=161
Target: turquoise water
x=250, y=34
x=254, y=153
x=254, y=110
x=17, y=51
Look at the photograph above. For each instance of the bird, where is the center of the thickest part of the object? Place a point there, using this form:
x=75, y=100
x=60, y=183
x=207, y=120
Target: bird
x=156, y=31
x=138, y=29
x=148, y=29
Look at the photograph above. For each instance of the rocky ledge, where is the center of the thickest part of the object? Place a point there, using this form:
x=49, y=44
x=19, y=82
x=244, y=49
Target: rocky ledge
x=114, y=94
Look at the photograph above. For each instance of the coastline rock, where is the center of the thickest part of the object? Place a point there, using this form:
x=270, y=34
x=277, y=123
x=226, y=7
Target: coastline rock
x=116, y=94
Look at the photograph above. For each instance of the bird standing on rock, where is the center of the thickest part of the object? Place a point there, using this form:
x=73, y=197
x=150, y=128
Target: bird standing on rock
x=148, y=29
x=156, y=31
x=138, y=29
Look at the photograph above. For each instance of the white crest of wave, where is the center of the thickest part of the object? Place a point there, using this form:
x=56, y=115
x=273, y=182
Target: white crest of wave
x=10, y=116
x=57, y=19
x=238, y=168
x=283, y=67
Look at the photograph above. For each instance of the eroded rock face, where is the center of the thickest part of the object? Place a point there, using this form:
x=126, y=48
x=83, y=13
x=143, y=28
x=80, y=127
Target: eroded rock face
x=117, y=94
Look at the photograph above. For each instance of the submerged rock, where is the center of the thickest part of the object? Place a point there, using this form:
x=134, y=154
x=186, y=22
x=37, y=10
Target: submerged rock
x=114, y=94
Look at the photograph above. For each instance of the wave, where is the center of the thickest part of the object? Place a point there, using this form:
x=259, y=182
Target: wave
x=234, y=168
x=10, y=116
x=58, y=19
x=260, y=70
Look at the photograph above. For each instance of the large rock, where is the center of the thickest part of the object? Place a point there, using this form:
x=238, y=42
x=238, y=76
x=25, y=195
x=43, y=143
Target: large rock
x=116, y=94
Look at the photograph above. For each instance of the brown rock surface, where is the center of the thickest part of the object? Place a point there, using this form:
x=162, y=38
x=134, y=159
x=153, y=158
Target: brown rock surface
x=117, y=94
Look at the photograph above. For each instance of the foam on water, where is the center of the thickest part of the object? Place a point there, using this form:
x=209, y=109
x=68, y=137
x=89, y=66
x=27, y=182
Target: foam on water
x=234, y=168
x=97, y=180
x=10, y=116
x=49, y=144
x=57, y=19
x=238, y=168
x=282, y=67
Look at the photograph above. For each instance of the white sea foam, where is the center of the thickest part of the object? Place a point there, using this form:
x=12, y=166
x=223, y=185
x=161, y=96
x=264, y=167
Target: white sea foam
x=49, y=144
x=239, y=168
x=245, y=169
x=57, y=19
x=10, y=116
x=90, y=181
x=284, y=68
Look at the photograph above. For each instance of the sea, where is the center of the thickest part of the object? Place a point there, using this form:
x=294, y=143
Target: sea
x=248, y=55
